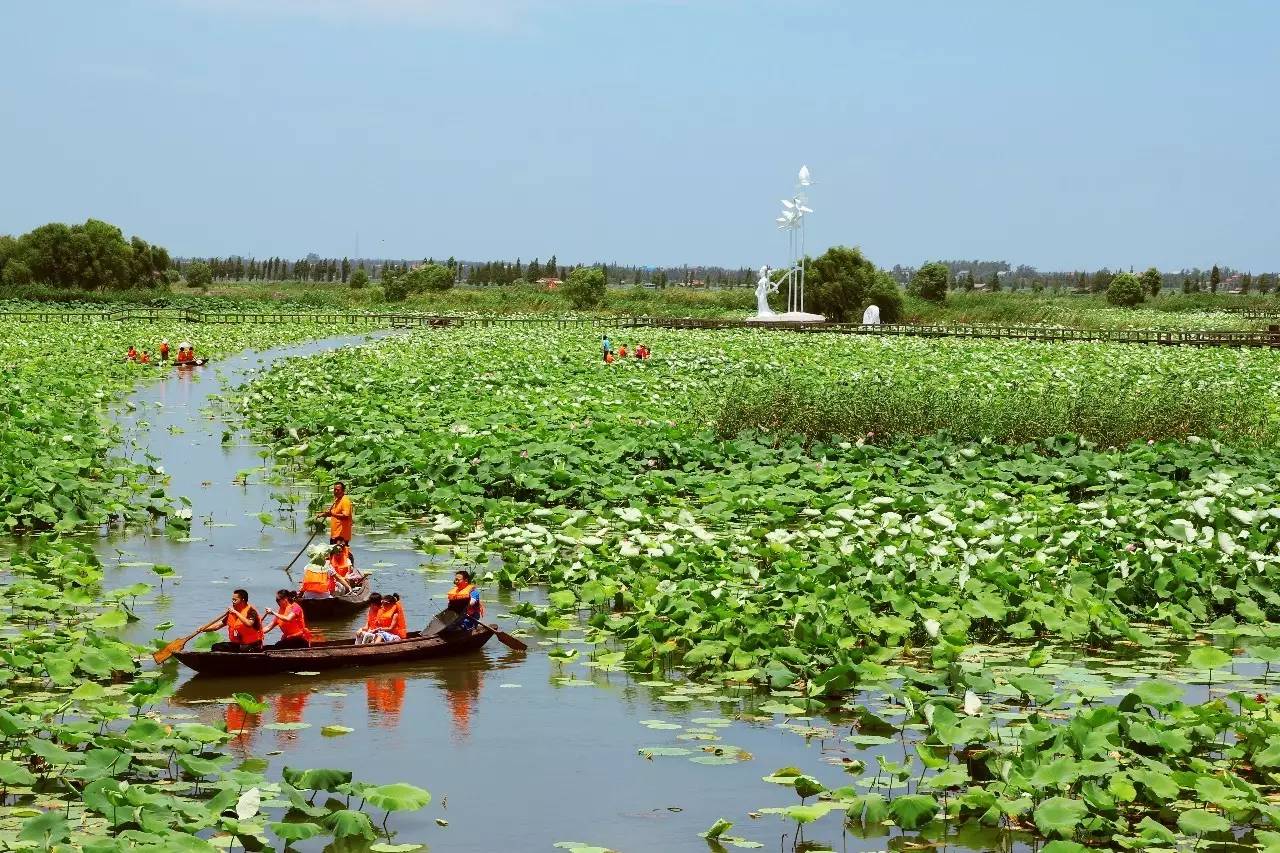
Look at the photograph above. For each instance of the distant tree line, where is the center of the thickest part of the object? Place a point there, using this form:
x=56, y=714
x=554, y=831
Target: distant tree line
x=471, y=273
x=997, y=276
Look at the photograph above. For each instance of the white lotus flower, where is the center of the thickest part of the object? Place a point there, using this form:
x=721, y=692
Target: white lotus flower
x=931, y=627
x=928, y=713
x=972, y=704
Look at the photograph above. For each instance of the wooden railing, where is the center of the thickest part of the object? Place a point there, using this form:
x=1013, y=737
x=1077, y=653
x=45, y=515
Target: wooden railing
x=346, y=319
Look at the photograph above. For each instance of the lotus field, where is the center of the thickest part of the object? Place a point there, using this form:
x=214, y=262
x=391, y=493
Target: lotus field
x=944, y=598
x=87, y=761
x=1025, y=589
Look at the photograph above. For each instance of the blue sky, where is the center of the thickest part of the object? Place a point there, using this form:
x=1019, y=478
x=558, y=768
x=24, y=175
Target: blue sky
x=1066, y=135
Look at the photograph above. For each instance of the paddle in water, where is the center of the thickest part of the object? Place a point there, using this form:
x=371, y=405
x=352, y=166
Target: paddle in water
x=299, y=554
x=176, y=646
x=445, y=618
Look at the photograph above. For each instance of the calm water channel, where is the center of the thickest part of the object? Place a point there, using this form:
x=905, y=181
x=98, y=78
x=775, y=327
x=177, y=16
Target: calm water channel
x=518, y=751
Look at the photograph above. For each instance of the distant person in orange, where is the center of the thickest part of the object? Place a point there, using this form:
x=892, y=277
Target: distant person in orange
x=608, y=358
x=341, y=515
x=290, y=620
x=642, y=351
x=132, y=354
x=622, y=350
x=145, y=358
x=164, y=350
x=244, y=626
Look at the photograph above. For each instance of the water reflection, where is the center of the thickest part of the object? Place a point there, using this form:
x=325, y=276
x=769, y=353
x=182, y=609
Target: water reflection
x=385, y=700
x=454, y=683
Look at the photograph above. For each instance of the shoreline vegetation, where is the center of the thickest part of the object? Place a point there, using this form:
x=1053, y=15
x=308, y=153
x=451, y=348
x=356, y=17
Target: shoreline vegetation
x=1173, y=311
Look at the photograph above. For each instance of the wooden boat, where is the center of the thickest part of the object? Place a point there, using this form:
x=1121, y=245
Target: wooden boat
x=337, y=606
x=336, y=654
x=199, y=362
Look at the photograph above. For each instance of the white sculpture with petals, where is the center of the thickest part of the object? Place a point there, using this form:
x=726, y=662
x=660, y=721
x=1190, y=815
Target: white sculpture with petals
x=791, y=220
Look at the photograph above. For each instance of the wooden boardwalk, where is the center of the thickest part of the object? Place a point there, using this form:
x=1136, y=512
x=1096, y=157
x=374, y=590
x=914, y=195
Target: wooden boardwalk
x=1269, y=337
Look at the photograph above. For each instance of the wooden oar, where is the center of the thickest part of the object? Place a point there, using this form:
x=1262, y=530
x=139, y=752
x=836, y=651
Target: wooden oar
x=507, y=640
x=299, y=554
x=176, y=646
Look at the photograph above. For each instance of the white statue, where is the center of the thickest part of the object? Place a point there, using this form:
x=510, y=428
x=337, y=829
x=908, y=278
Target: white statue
x=871, y=317
x=764, y=286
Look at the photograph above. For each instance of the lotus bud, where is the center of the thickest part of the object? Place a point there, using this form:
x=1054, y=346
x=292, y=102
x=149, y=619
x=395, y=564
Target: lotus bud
x=931, y=627
x=972, y=704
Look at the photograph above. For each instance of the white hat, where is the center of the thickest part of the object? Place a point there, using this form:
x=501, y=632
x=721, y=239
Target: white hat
x=184, y=345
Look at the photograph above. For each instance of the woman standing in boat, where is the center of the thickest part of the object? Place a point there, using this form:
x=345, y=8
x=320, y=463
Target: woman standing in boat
x=290, y=621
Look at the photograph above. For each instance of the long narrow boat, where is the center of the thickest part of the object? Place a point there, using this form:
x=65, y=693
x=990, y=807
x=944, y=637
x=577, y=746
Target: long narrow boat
x=336, y=654
x=337, y=605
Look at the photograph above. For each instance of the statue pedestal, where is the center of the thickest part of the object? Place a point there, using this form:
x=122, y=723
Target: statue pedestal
x=789, y=317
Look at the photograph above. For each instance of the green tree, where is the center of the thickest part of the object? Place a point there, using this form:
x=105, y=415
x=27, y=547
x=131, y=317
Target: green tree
x=837, y=283
x=585, y=287
x=993, y=281
x=887, y=296
x=433, y=277
x=16, y=273
x=358, y=279
x=1102, y=280
x=199, y=274
x=1215, y=278
x=1126, y=290
x=1151, y=281
x=930, y=282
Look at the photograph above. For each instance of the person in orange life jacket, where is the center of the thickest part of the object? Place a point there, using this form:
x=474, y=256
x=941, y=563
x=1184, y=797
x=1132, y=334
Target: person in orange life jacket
x=608, y=358
x=622, y=350
x=319, y=579
x=290, y=620
x=464, y=599
x=388, y=623
x=244, y=626
x=343, y=563
x=370, y=629
x=164, y=350
x=132, y=354
x=145, y=358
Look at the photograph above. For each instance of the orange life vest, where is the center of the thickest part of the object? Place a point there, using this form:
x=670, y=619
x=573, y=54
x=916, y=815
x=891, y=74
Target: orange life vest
x=238, y=632
x=316, y=579
x=622, y=351
x=340, y=562
x=460, y=601
x=389, y=619
x=164, y=350
x=296, y=626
